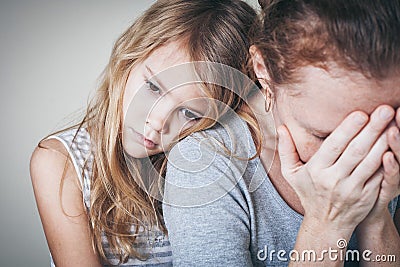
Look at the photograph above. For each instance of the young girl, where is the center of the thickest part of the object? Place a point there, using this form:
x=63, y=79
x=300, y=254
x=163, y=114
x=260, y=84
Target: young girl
x=91, y=181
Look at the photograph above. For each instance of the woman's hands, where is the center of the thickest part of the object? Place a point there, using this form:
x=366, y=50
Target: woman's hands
x=390, y=186
x=341, y=183
x=377, y=231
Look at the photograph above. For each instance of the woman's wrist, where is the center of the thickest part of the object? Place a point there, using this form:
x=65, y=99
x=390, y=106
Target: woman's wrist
x=374, y=224
x=326, y=232
x=324, y=240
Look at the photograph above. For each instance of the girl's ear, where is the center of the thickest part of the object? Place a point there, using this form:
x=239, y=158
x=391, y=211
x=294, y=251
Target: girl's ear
x=259, y=66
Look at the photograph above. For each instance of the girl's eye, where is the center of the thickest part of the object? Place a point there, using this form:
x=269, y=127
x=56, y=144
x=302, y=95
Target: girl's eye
x=189, y=115
x=152, y=87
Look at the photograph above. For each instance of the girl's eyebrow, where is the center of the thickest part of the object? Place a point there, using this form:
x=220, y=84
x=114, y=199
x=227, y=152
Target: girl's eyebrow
x=154, y=77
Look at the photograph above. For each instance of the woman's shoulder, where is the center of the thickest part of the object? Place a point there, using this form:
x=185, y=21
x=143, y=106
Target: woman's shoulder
x=229, y=136
x=208, y=164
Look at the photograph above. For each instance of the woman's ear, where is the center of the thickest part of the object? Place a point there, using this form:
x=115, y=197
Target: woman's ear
x=259, y=66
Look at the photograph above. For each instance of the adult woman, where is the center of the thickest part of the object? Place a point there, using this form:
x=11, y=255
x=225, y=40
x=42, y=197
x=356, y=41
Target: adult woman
x=330, y=74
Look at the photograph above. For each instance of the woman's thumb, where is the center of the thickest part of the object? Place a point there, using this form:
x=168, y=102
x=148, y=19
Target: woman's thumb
x=290, y=161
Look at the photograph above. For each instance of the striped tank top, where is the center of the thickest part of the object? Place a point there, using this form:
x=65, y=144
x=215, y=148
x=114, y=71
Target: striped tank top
x=154, y=243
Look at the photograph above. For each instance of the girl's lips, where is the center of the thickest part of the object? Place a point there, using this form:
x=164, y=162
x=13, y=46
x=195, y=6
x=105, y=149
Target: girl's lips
x=147, y=143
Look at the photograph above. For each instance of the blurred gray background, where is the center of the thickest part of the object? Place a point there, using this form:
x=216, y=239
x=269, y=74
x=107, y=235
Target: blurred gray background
x=51, y=54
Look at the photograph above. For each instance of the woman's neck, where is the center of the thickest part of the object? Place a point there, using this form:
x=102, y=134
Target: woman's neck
x=269, y=156
x=273, y=169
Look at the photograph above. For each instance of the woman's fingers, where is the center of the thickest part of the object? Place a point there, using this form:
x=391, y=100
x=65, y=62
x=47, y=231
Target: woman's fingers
x=398, y=117
x=337, y=141
x=370, y=164
x=391, y=181
x=360, y=146
x=389, y=187
x=370, y=191
x=391, y=160
x=393, y=136
x=289, y=158
x=391, y=169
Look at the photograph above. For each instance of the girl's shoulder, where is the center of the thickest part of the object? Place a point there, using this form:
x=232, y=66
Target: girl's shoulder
x=56, y=151
x=74, y=143
x=69, y=151
x=77, y=143
x=74, y=140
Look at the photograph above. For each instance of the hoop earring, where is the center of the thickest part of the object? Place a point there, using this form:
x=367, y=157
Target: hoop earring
x=268, y=101
x=268, y=96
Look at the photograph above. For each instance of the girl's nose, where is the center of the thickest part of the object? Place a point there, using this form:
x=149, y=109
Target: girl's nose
x=156, y=123
x=158, y=119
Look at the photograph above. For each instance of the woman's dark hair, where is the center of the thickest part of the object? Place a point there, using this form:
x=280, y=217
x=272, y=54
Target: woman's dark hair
x=360, y=35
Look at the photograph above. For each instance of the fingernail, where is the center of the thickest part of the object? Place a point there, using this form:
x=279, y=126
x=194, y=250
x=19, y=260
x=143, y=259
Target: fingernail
x=385, y=113
x=359, y=119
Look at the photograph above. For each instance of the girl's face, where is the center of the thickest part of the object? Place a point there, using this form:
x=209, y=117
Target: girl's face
x=157, y=105
x=314, y=107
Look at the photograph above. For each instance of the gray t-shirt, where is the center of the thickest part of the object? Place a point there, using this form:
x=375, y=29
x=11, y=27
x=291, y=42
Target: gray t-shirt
x=221, y=210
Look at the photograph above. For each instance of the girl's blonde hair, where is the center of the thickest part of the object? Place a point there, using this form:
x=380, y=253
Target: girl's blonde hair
x=211, y=30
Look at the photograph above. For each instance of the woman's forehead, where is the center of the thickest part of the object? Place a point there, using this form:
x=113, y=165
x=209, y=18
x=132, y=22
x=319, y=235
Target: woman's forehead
x=327, y=99
x=347, y=89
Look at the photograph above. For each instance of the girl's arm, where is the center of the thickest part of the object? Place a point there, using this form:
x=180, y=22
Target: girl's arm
x=62, y=213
